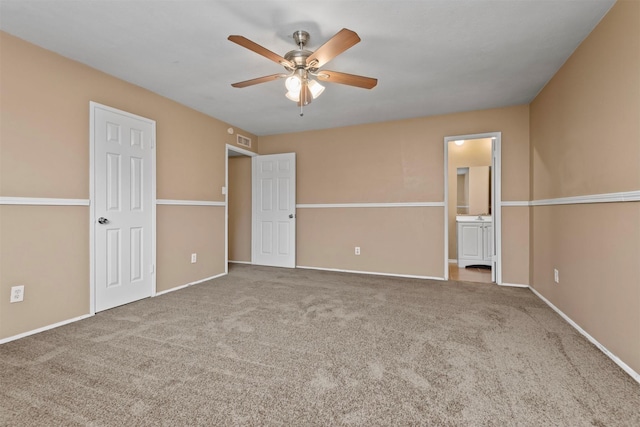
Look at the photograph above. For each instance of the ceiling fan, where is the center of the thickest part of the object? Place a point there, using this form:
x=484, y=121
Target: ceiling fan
x=304, y=65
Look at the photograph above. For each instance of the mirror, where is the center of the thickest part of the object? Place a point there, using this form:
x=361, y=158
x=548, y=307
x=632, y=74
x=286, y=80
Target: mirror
x=473, y=190
x=462, y=203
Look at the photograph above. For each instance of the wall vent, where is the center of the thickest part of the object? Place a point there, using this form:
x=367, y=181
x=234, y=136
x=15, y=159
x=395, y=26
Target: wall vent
x=244, y=141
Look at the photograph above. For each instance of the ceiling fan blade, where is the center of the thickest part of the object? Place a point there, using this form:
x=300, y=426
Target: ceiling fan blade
x=245, y=42
x=259, y=80
x=347, y=79
x=337, y=44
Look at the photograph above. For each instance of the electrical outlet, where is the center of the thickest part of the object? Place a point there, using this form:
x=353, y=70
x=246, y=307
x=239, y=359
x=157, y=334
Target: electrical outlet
x=556, y=275
x=357, y=250
x=194, y=258
x=224, y=190
x=17, y=293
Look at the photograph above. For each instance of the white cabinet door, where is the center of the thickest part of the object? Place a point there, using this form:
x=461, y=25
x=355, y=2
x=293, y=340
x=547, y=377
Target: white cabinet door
x=470, y=250
x=475, y=243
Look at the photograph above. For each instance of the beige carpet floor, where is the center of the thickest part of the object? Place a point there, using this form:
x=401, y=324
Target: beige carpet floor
x=267, y=346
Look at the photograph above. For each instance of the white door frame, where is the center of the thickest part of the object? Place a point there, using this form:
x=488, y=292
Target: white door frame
x=92, y=218
x=496, y=197
x=226, y=200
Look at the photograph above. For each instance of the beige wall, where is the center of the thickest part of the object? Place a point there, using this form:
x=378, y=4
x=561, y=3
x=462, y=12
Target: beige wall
x=392, y=240
x=472, y=153
x=183, y=230
x=239, y=209
x=515, y=255
x=585, y=140
x=46, y=249
x=585, y=122
x=399, y=161
x=596, y=248
x=44, y=152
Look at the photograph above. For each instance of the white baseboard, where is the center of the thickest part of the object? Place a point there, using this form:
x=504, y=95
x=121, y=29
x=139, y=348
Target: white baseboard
x=241, y=262
x=177, y=288
x=595, y=342
x=44, y=328
x=513, y=285
x=373, y=273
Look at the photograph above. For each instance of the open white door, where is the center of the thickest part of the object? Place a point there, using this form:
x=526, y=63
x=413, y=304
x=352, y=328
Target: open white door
x=274, y=210
x=123, y=206
x=495, y=209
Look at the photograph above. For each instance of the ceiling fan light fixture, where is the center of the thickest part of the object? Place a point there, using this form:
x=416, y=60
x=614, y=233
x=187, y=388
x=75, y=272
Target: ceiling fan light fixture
x=301, y=65
x=293, y=83
x=293, y=96
x=315, y=88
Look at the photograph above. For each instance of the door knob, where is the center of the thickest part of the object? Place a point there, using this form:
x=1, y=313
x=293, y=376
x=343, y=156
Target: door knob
x=291, y=215
x=103, y=220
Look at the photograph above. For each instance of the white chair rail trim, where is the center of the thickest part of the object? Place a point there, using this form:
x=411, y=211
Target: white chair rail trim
x=188, y=202
x=43, y=201
x=369, y=205
x=625, y=196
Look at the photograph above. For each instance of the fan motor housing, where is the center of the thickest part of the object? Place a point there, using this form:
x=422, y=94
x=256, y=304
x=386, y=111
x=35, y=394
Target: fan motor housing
x=298, y=57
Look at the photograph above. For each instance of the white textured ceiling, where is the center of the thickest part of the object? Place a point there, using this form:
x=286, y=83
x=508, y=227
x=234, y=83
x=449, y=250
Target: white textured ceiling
x=430, y=57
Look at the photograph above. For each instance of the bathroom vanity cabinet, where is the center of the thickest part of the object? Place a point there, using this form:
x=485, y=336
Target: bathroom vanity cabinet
x=475, y=240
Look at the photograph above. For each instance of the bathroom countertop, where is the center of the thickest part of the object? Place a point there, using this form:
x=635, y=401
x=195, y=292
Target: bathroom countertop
x=473, y=218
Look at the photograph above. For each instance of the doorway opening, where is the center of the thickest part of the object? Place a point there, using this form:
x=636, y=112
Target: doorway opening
x=238, y=206
x=472, y=208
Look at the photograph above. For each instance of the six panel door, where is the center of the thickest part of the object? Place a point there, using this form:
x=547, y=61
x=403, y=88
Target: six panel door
x=123, y=200
x=274, y=222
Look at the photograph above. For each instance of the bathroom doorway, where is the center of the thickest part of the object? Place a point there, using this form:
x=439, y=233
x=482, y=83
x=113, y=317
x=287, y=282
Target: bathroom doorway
x=472, y=208
x=238, y=202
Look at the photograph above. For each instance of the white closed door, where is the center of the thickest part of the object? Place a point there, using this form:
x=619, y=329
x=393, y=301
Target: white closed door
x=274, y=210
x=124, y=163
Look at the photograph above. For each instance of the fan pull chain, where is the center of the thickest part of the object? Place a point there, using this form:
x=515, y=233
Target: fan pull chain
x=301, y=112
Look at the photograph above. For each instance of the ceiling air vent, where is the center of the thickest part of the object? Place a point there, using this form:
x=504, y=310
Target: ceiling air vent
x=244, y=141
